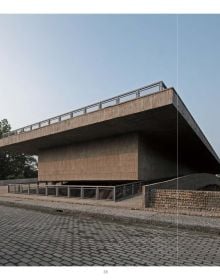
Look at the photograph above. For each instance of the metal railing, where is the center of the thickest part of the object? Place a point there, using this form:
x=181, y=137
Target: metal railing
x=128, y=96
x=127, y=190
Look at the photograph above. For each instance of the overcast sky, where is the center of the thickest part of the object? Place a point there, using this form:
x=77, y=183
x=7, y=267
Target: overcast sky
x=51, y=64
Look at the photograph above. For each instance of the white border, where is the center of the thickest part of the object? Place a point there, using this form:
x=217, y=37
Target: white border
x=110, y=6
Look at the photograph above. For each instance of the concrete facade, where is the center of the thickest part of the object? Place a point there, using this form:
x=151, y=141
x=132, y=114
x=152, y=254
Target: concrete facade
x=114, y=158
x=132, y=140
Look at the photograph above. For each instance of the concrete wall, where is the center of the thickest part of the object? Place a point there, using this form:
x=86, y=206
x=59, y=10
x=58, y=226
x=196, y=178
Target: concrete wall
x=114, y=158
x=157, y=160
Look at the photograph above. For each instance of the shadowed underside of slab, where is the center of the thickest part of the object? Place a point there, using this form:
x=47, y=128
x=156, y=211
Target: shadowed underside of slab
x=135, y=140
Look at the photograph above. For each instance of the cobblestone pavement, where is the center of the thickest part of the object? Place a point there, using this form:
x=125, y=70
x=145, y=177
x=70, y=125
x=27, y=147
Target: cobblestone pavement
x=35, y=238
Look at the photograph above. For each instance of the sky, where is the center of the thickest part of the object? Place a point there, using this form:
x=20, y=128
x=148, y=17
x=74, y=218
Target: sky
x=52, y=64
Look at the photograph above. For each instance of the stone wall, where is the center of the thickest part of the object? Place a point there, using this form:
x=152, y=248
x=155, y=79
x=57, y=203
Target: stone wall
x=187, y=200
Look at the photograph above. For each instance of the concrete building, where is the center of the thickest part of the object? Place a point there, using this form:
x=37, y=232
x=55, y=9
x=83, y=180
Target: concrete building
x=126, y=138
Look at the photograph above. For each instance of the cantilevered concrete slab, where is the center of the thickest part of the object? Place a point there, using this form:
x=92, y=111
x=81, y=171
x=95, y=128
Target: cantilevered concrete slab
x=135, y=138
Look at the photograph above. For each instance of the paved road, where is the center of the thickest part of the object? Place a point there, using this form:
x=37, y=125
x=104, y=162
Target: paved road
x=33, y=238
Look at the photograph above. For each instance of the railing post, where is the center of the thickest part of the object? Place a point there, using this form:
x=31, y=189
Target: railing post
x=146, y=196
x=28, y=189
x=124, y=191
x=97, y=193
x=37, y=188
x=57, y=191
x=114, y=194
x=46, y=190
x=68, y=191
x=138, y=94
x=117, y=100
x=100, y=105
x=8, y=188
x=82, y=192
x=132, y=189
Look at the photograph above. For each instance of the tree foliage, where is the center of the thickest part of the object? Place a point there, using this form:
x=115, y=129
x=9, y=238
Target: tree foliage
x=14, y=165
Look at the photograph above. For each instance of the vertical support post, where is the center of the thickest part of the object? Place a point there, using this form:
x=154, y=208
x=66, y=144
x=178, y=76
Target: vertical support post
x=114, y=194
x=68, y=191
x=143, y=196
x=124, y=191
x=138, y=94
x=28, y=189
x=8, y=188
x=146, y=196
x=97, y=193
x=132, y=189
x=82, y=192
x=57, y=191
x=19, y=188
x=46, y=190
x=37, y=188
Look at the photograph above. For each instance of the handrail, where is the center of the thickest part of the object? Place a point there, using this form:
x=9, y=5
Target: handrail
x=137, y=93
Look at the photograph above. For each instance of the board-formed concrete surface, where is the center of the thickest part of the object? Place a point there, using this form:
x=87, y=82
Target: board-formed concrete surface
x=134, y=140
x=29, y=238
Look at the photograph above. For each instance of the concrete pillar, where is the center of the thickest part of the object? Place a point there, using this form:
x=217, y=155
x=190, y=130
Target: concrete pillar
x=57, y=191
x=97, y=193
x=82, y=192
x=68, y=191
x=113, y=194
x=28, y=189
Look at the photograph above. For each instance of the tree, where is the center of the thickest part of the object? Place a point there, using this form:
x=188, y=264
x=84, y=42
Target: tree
x=14, y=165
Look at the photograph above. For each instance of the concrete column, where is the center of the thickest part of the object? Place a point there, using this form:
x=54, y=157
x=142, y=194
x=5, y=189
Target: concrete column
x=28, y=189
x=68, y=191
x=57, y=191
x=97, y=193
x=114, y=194
x=82, y=192
x=46, y=190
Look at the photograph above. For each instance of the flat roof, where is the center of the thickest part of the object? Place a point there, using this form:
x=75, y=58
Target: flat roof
x=154, y=115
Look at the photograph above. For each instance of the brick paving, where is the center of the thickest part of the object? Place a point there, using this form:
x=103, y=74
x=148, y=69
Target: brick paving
x=32, y=238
